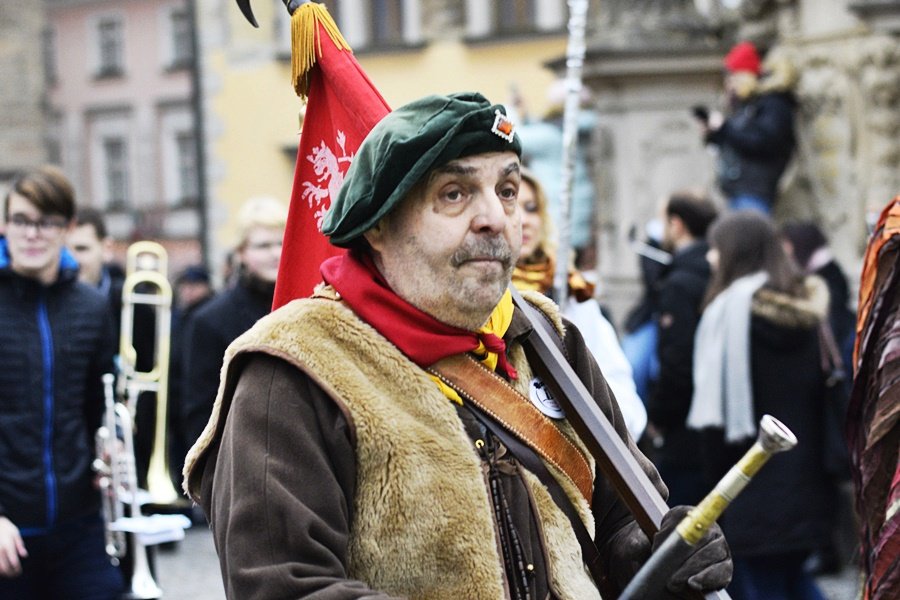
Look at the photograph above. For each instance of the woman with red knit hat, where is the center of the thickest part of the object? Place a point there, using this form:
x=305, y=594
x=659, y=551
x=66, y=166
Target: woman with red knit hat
x=756, y=139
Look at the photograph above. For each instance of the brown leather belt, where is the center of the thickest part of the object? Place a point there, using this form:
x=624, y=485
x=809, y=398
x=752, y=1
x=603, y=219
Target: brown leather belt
x=489, y=392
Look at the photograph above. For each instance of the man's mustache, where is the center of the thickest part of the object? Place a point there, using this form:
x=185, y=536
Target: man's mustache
x=485, y=248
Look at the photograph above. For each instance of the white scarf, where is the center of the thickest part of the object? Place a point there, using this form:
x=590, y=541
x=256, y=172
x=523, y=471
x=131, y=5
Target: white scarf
x=723, y=390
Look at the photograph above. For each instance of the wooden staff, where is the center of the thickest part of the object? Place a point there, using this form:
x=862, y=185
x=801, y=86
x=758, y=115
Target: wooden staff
x=613, y=457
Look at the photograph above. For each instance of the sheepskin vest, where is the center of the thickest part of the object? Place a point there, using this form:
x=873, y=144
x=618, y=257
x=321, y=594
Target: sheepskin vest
x=422, y=525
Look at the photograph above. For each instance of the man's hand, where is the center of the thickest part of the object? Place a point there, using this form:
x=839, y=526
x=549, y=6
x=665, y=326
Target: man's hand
x=708, y=568
x=11, y=549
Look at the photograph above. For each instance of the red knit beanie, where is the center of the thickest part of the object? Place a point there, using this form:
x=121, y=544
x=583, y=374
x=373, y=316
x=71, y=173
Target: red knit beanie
x=743, y=57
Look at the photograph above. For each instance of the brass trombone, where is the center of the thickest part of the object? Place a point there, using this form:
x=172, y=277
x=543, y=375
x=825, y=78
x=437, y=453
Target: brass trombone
x=146, y=284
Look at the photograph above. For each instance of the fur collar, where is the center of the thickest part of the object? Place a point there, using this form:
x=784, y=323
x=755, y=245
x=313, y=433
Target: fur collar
x=793, y=311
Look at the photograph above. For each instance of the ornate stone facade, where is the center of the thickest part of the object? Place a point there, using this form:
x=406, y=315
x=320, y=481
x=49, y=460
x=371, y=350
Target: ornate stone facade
x=22, y=121
x=649, y=61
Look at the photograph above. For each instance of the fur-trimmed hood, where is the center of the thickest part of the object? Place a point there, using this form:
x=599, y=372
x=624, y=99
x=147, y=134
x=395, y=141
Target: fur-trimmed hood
x=793, y=312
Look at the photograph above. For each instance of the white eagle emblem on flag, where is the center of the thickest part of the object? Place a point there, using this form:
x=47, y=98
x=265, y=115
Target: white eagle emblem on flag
x=330, y=170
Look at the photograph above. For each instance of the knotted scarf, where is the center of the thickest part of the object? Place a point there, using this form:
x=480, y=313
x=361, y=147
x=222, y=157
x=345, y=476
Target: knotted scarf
x=418, y=335
x=538, y=276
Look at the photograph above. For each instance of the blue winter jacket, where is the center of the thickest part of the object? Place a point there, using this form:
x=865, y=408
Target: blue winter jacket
x=55, y=343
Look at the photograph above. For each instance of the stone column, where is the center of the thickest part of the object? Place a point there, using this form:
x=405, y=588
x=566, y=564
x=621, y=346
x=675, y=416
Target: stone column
x=647, y=145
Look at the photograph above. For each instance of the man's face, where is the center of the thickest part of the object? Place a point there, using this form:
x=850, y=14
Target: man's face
x=262, y=252
x=450, y=246
x=90, y=252
x=35, y=240
x=190, y=293
x=669, y=233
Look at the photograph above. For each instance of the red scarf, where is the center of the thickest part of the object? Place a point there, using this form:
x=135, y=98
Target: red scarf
x=418, y=335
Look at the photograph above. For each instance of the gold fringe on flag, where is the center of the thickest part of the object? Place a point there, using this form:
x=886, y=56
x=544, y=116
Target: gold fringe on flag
x=305, y=41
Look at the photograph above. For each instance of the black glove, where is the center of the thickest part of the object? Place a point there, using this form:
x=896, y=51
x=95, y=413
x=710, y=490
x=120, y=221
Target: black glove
x=709, y=566
x=625, y=552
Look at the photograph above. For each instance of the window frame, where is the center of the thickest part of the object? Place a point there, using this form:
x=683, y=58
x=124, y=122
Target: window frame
x=103, y=66
x=178, y=44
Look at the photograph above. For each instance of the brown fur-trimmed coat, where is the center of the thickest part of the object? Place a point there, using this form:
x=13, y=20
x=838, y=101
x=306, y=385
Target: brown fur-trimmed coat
x=332, y=465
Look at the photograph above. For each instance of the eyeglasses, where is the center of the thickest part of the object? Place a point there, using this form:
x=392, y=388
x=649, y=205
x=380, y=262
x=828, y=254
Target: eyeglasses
x=44, y=225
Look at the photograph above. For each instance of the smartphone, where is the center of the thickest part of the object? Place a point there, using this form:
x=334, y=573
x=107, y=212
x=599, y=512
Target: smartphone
x=700, y=112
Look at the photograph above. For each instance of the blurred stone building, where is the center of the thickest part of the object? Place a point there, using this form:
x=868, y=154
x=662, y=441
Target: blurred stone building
x=650, y=61
x=120, y=117
x=22, y=95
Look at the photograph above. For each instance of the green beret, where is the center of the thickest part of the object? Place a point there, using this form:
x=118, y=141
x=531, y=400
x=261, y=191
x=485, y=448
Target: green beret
x=404, y=146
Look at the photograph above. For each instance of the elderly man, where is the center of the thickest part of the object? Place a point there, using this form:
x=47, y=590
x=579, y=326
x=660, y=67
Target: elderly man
x=340, y=462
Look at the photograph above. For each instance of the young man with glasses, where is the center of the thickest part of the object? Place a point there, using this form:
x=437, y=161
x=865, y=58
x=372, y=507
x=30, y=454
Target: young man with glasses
x=56, y=341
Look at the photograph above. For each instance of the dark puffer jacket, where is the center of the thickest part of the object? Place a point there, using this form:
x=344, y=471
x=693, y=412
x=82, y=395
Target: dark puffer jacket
x=207, y=334
x=55, y=344
x=680, y=299
x=756, y=144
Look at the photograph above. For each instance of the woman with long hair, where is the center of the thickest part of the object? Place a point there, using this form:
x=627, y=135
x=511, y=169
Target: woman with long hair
x=534, y=271
x=757, y=352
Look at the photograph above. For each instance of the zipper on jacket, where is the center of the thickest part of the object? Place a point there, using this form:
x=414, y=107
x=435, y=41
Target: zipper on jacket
x=47, y=352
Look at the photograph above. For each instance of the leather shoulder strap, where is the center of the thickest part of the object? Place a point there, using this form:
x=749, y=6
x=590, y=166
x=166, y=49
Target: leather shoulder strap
x=490, y=393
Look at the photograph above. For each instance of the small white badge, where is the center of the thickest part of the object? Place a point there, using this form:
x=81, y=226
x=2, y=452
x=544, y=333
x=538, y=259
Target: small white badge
x=540, y=396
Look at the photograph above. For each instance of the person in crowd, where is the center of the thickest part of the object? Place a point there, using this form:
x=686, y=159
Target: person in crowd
x=192, y=290
x=542, y=139
x=56, y=341
x=641, y=329
x=217, y=323
x=757, y=352
x=756, y=140
x=535, y=270
x=342, y=459
x=872, y=427
x=90, y=244
x=679, y=296
x=193, y=287
x=807, y=244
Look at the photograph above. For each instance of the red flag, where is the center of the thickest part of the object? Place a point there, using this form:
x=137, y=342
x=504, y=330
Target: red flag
x=342, y=107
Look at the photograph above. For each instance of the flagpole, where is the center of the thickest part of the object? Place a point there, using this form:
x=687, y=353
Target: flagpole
x=575, y=51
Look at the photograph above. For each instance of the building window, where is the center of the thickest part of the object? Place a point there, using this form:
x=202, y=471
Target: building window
x=485, y=20
x=186, y=155
x=387, y=22
x=115, y=165
x=180, y=27
x=49, y=56
x=283, y=25
x=110, y=46
x=334, y=9
x=375, y=24
x=513, y=16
